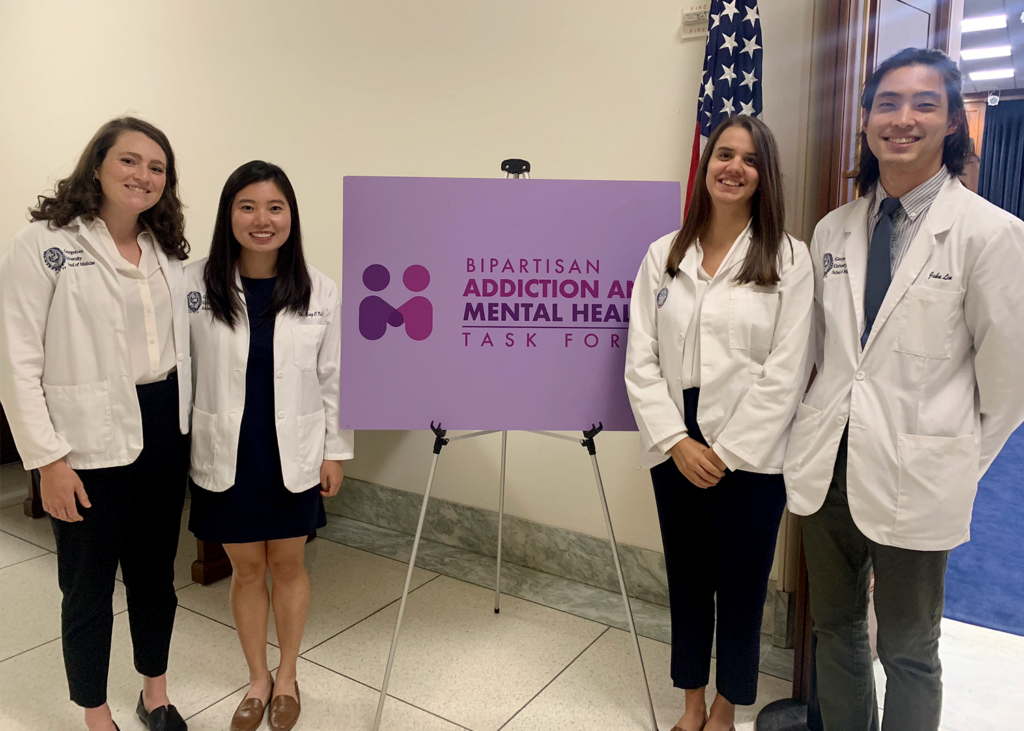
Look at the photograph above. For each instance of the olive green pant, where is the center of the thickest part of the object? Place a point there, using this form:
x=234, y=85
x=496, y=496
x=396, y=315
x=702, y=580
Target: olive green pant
x=908, y=605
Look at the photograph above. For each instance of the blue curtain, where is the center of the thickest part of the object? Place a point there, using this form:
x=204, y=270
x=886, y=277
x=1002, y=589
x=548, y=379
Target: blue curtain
x=1002, y=157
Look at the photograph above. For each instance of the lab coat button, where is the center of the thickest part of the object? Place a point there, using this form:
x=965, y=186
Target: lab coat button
x=280, y=414
x=280, y=374
x=181, y=357
x=840, y=419
x=860, y=375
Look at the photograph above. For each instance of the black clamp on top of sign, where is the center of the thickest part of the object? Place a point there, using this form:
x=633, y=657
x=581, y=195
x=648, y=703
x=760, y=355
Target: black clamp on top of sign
x=588, y=437
x=516, y=168
x=439, y=436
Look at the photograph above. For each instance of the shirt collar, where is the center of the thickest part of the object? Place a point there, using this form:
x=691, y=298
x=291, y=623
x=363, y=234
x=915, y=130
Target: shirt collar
x=915, y=202
x=147, y=264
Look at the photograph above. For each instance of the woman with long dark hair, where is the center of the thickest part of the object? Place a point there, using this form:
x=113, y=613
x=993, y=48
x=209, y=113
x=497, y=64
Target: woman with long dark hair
x=266, y=446
x=97, y=385
x=715, y=368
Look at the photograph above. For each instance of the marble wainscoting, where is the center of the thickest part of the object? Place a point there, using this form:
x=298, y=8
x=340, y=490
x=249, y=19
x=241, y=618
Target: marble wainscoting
x=556, y=551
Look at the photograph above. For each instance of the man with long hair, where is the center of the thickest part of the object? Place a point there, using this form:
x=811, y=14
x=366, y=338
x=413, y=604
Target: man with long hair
x=919, y=340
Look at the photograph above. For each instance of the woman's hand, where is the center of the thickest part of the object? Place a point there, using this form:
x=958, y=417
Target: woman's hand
x=712, y=455
x=691, y=460
x=331, y=476
x=59, y=485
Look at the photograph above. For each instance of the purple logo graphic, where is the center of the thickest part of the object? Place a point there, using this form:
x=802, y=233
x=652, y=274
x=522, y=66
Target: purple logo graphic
x=375, y=313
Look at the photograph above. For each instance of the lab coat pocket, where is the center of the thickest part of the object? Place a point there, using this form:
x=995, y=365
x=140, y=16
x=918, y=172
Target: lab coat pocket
x=306, y=345
x=927, y=319
x=312, y=432
x=801, y=437
x=82, y=415
x=204, y=441
x=752, y=319
x=938, y=481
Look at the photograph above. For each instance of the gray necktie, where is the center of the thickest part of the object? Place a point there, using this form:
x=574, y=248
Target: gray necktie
x=879, y=265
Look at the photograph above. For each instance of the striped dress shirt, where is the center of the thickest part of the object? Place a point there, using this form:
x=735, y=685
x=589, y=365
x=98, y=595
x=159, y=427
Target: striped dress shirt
x=908, y=219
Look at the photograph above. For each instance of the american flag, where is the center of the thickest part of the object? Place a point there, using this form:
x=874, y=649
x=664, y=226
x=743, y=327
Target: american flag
x=732, y=72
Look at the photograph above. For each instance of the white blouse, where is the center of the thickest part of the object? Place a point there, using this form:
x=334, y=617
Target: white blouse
x=691, y=343
x=147, y=302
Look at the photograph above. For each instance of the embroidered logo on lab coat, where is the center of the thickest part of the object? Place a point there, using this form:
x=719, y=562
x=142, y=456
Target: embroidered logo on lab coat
x=195, y=301
x=662, y=296
x=54, y=258
x=828, y=262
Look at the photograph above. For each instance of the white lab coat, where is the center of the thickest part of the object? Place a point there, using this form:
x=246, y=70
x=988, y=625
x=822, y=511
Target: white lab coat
x=939, y=385
x=307, y=360
x=753, y=353
x=66, y=378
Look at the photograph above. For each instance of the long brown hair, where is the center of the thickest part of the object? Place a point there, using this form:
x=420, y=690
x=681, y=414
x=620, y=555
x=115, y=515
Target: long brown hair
x=768, y=208
x=80, y=193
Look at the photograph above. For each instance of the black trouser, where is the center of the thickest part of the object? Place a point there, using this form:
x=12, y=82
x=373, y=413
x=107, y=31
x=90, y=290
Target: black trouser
x=719, y=549
x=134, y=519
x=908, y=604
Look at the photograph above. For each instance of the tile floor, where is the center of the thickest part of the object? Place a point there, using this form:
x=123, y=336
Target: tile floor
x=544, y=662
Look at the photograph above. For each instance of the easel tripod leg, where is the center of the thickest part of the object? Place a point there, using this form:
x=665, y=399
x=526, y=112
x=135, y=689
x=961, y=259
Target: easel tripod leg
x=405, y=595
x=622, y=588
x=501, y=516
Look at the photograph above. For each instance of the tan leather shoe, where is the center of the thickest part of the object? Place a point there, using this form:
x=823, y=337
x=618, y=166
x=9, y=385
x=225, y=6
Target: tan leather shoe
x=249, y=714
x=285, y=710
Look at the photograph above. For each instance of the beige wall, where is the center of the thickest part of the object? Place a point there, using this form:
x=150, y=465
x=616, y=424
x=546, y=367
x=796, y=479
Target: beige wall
x=582, y=88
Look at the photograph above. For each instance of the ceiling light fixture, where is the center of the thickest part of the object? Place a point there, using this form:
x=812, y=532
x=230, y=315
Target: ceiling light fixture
x=987, y=22
x=972, y=54
x=991, y=74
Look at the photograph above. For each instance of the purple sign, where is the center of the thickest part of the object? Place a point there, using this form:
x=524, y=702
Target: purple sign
x=492, y=304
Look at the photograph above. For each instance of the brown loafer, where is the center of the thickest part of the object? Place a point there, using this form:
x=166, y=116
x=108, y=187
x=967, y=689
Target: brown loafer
x=249, y=714
x=285, y=710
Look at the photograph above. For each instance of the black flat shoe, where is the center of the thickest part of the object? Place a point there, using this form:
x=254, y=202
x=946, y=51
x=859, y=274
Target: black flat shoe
x=164, y=718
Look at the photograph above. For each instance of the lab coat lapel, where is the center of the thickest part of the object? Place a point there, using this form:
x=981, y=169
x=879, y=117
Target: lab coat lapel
x=856, y=253
x=938, y=220
x=92, y=243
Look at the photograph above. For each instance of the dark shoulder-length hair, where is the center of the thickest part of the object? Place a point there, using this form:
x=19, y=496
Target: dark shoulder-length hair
x=957, y=145
x=80, y=193
x=767, y=207
x=292, y=287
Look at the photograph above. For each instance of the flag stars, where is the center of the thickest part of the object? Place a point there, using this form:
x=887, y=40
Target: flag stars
x=749, y=46
x=730, y=9
x=752, y=15
x=714, y=20
x=727, y=107
x=747, y=109
x=709, y=88
x=728, y=74
x=729, y=43
x=748, y=80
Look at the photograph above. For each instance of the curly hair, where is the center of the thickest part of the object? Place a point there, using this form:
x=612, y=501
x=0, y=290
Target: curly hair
x=80, y=194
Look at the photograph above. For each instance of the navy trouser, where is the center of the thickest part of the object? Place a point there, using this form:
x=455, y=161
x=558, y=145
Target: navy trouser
x=719, y=549
x=134, y=520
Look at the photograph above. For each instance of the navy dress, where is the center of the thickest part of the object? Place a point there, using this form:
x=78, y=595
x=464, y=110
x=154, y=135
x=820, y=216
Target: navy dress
x=258, y=507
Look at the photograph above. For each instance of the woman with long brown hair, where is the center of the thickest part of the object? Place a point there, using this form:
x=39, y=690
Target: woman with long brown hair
x=715, y=368
x=94, y=333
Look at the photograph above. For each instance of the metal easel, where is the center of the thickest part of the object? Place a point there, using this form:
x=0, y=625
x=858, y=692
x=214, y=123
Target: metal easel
x=513, y=168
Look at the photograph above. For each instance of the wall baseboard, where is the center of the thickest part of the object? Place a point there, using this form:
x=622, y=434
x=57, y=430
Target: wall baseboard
x=556, y=551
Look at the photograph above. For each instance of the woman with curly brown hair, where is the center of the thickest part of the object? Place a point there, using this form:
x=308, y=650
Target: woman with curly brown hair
x=94, y=331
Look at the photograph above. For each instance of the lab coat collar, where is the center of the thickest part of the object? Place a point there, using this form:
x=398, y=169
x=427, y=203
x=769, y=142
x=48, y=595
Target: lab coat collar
x=737, y=254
